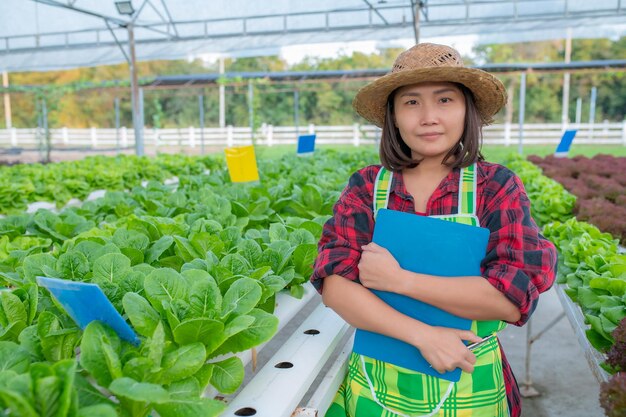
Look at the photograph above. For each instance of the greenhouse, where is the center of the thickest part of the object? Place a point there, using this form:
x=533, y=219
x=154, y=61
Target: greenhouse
x=290, y=208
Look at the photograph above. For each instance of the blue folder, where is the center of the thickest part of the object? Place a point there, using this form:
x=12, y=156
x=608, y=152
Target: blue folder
x=430, y=246
x=85, y=302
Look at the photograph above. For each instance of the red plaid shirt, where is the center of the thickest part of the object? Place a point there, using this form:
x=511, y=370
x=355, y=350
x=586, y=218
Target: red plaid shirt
x=520, y=262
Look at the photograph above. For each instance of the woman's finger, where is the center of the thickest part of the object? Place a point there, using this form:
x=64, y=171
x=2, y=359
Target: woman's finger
x=467, y=367
x=372, y=247
x=439, y=369
x=469, y=336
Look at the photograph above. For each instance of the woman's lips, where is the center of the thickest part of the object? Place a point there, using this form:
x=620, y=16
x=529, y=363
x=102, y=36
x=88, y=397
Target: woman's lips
x=430, y=135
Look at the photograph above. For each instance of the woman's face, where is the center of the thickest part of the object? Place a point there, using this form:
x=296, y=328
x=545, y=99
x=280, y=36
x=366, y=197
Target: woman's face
x=430, y=117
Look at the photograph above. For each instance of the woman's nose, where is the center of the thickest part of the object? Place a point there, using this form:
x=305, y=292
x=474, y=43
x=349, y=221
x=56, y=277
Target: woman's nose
x=428, y=115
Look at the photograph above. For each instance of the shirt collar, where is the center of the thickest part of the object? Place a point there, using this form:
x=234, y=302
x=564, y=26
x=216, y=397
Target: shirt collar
x=449, y=184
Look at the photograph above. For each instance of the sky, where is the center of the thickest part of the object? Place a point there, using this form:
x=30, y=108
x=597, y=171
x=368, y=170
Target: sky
x=296, y=53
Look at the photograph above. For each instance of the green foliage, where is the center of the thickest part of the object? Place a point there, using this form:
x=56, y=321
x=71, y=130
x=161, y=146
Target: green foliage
x=46, y=389
x=589, y=265
x=24, y=184
x=194, y=267
x=550, y=201
x=595, y=274
x=13, y=358
x=544, y=92
x=228, y=375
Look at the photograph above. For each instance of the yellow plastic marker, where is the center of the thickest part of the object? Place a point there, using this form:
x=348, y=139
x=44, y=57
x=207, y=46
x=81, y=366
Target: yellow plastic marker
x=241, y=163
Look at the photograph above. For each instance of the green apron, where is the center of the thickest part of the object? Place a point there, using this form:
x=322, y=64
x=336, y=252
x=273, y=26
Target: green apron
x=374, y=388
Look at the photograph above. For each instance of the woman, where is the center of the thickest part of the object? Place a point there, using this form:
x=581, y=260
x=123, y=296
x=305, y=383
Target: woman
x=432, y=109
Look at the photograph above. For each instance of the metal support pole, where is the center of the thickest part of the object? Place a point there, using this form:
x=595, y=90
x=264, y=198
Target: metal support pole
x=7, y=102
x=296, y=110
x=592, y=110
x=141, y=118
x=566, y=80
x=39, y=113
x=201, y=114
x=579, y=110
x=46, y=131
x=222, y=97
x=548, y=327
x=508, y=115
x=522, y=110
x=417, y=6
x=251, y=109
x=117, y=124
x=44, y=114
x=134, y=86
x=527, y=389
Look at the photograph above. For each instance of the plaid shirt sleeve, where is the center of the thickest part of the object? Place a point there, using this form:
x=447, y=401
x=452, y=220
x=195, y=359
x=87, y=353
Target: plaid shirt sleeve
x=352, y=225
x=520, y=262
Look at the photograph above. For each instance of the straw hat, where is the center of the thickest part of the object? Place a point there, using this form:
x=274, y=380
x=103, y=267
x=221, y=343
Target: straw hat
x=429, y=62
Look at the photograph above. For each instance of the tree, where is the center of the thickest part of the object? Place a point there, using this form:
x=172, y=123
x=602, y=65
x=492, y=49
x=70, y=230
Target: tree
x=320, y=102
x=544, y=91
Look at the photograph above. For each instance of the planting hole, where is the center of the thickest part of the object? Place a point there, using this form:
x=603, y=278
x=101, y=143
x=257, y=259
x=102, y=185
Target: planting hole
x=312, y=331
x=284, y=365
x=247, y=411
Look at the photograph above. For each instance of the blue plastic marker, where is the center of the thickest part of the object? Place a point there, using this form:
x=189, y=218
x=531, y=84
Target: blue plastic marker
x=566, y=142
x=85, y=302
x=306, y=144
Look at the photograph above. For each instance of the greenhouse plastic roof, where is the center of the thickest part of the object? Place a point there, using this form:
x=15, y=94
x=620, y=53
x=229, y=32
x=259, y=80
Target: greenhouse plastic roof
x=51, y=34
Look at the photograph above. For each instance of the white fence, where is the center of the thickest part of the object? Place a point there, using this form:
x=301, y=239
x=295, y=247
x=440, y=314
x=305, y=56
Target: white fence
x=504, y=134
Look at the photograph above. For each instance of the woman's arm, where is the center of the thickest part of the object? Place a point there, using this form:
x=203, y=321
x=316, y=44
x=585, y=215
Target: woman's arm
x=473, y=298
x=441, y=347
x=519, y=263
x=336, y=276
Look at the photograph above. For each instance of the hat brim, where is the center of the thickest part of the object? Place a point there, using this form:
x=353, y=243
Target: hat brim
x=489, y=93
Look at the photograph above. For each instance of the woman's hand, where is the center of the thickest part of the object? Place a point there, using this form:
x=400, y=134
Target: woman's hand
x=444, y=349
x=378, y=270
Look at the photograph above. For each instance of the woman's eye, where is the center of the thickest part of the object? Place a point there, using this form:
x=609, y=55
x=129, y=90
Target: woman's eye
x=445, y=100
x=411, y=102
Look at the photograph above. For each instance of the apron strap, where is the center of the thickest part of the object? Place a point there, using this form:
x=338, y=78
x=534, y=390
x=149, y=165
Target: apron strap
x=467, y=190
x=382, y=187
